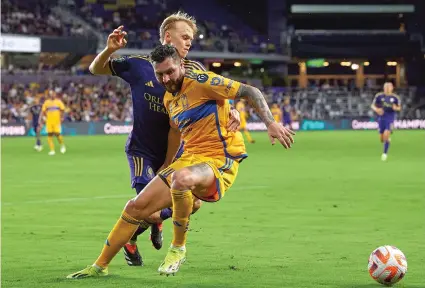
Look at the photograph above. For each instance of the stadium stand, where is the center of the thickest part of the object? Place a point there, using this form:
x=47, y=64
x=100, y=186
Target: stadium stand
x=35, y=18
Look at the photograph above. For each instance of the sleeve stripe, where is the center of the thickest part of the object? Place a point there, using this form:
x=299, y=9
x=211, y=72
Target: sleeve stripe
x=111, y=66
x=140, y=57
x=194, y=65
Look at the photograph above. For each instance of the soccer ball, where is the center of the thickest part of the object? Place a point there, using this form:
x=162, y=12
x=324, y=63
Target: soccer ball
x=387, y=265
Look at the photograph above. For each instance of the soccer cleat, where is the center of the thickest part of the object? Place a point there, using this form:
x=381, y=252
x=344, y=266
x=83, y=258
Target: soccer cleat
x=175, y=257
x=156, y=235
x=63, y=149
x=384, y=157
x=132, y=255
x=38, y=148
x=51, y=153
x=89, y=271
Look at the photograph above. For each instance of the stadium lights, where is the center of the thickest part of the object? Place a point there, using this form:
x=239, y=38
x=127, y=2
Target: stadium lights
x=262, y=70
x=345, y=63
x=354, y=66
x=216, y=64
x=366, y=63
x=201, y=36
x=237, y=64
x=326, y=64
x=392, y=63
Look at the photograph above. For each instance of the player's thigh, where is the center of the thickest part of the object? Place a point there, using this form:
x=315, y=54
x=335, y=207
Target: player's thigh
x=201, y=177
x=154, y=197
x=386, y=135
x=57, y=129
x=49, y=128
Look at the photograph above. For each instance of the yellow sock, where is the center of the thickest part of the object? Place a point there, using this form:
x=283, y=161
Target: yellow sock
x=50, y=142
x=182, y=207
x=119, y=236
x=247, y=135
x=60, y=139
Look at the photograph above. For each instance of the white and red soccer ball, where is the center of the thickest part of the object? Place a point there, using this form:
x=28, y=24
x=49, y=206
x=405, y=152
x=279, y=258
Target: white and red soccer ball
x=387, y=265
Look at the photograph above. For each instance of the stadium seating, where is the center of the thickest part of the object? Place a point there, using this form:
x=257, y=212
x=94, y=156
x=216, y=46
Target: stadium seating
x=34, y=17
x=142, y=19
x=96, y=98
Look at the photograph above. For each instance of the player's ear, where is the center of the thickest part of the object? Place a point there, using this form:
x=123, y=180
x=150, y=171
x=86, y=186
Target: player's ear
x=167, y=37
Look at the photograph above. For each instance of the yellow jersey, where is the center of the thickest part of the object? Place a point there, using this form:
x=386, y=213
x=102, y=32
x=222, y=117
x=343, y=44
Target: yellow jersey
x=201, y=112
x=53, y=108
x=277, y=114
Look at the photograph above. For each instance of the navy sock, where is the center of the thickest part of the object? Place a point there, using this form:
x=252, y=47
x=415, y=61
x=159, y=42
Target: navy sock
x=38, y=142
x=386, y=146
x=166, y=213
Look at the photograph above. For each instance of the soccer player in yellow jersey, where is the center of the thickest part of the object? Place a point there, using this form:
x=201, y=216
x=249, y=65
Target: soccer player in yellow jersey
x=240, y=106
x=199, y=110
x=52, y=111
x=145, y=144
x=276, y=112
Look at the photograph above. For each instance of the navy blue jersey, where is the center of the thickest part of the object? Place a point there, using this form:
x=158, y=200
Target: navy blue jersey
x=149, y=137
x=386, y=102
x=35, y=111
x=286, y=112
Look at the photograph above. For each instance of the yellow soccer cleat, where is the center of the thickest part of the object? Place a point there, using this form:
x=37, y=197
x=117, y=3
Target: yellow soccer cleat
x=175, y=257
x=89, y=271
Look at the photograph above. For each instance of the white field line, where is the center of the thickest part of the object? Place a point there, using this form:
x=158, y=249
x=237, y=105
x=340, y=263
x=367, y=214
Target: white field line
x=124, y=195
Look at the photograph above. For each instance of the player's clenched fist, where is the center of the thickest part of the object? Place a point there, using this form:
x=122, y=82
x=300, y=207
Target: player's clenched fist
x=282, y=134
x=116, y=40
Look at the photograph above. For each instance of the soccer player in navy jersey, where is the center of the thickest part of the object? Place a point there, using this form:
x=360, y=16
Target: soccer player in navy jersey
x=152, y=145
x=35, y=111
x=385, y=105
x=286, y=111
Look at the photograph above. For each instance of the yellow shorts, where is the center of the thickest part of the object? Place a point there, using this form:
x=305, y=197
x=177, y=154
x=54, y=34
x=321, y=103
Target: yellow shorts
x=225, y=171
x=54, y=128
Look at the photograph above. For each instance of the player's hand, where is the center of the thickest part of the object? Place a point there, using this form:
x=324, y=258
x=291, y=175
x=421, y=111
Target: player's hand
x=116, y=40
x=282, y=134
x=379, y=111
x=234, y=121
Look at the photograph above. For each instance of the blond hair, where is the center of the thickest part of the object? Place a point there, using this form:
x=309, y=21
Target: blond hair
x=169, y=22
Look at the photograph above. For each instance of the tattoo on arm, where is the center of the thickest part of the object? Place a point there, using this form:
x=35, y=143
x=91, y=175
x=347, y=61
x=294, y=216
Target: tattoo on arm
x=256, y=100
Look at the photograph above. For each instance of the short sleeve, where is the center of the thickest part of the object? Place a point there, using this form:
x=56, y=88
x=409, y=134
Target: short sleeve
x=397, y=99
x=44, y=108
x=217, y=87
x=61, y=106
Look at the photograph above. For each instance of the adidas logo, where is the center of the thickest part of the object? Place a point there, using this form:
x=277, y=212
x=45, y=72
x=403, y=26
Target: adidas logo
x=150, y=84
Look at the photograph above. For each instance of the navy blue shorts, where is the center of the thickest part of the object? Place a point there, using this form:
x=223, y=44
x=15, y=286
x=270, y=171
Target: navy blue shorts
x=286, y=121
x=385, y=124
x=142, y=170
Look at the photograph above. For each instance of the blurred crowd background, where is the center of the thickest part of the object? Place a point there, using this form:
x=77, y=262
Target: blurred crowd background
x=328, y=72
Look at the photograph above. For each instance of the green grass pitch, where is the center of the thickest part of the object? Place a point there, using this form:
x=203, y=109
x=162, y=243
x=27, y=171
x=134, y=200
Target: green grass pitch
x=306, y=217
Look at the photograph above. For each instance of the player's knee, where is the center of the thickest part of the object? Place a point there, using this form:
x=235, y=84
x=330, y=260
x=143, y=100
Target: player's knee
x=182, y=180
x=196, y=205
x=135, y=210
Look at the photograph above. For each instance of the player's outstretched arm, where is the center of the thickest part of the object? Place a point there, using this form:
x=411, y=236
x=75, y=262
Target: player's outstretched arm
x=275, y=130
x=116, y=40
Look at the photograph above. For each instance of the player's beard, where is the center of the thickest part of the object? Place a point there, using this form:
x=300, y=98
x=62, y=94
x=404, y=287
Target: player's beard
x=174, y=86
